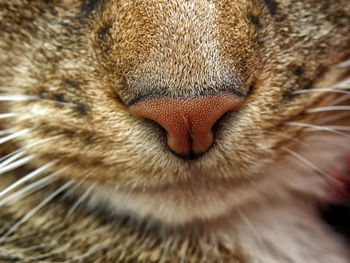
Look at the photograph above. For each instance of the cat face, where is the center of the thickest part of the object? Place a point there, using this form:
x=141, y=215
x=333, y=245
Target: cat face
x=75, y=68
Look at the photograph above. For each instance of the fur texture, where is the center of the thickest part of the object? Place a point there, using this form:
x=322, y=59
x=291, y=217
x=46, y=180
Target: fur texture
x=104, y=187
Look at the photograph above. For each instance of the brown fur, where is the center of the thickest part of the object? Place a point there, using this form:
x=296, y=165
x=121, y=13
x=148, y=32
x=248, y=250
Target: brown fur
x=93, y=61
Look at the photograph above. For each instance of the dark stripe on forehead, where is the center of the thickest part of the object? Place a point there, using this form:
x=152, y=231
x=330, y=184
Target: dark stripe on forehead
x=89, y=6
x=271, y=6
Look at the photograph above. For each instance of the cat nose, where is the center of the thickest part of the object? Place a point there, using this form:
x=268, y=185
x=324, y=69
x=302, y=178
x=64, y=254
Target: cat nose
x=187, y=121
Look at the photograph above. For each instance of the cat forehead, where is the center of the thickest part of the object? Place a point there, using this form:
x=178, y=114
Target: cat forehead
x=180, y=43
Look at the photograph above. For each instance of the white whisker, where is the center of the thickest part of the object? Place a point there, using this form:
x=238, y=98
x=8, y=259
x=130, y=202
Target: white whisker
x=3, y=132
x=345, y=84
x=17, y=164
x=43, y=141
x=344, y=64
x=317, y=127
x=17, y=97
x=337, y=127
x=80, y=200
x=321, y=90
x=330, y=108
x=21, y=97
x=335, y=117
x=29, y=176
x=250, y=225
x=13, y=135
x=340, y=100
x=288, y=137
x=12, y=157
x=36, y=209
x=305, y=161
x=72, y=189
x=24, y=149
x=7, y=115
x=37, y=185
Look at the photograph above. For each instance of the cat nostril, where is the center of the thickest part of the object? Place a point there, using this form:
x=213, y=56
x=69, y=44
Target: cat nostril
x=188, y=121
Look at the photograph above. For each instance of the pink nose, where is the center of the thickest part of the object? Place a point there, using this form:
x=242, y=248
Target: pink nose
x=188, y=121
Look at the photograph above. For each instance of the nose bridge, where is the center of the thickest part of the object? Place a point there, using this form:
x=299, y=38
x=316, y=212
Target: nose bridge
x=191, y=47
x=183, y=56
x=187, y=31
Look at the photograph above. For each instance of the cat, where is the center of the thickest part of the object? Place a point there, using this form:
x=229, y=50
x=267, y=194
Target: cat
x=174, y=131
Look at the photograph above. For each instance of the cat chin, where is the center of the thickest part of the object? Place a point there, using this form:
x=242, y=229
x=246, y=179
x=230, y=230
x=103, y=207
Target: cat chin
x=272, y=217
x=301, y=174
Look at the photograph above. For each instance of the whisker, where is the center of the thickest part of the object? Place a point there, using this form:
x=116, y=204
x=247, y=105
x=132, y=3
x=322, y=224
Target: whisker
x=21, y=97
x=17, y=164
x=36, y=209
x=3, y=132
x=17, y=97
x=72, y=189
x=335, y=117
x=345, y=84
x=317, y=127
x=79, y=201
x=7, y=115
x=344, y=64
x=29, y=176
x=305, y=161
x=13, y=135
x=250, y=225
x=340, y=100
x=12, y=157
x=288, y=137
x=328, y=108
x=24, y=149
x=337, y=127
x=43, y=141
x=31, y=188
x=321, y=90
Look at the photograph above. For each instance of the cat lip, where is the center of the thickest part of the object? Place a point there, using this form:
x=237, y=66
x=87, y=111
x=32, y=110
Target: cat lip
x=191, y=155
